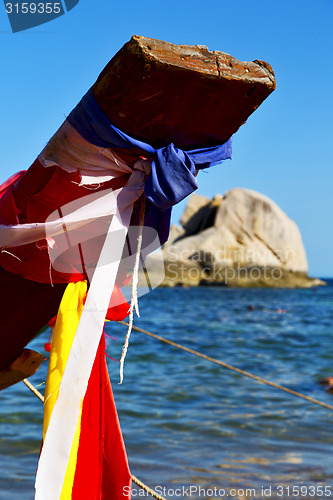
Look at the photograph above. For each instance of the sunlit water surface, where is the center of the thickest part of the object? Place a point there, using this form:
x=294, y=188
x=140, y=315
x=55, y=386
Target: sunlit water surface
x=189, y=422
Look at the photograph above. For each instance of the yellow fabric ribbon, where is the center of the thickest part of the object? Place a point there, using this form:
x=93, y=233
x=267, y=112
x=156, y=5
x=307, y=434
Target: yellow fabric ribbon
x=68, y=318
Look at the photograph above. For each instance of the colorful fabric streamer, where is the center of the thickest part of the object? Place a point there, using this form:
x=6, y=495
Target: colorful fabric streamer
x=73, y=208
x=172, y=170
x=98, y=450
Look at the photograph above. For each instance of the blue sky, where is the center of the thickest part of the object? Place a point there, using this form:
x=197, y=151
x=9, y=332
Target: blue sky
x=283, y=151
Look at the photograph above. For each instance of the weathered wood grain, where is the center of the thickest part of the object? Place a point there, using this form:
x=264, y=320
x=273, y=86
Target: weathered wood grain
x=25, y=365
x=161, y=93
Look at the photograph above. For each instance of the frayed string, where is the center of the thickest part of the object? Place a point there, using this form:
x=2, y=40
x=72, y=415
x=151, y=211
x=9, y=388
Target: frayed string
x=134, y=298
x=100, y=156
x=106, y=354
x=110, y=337
x=50, y=267
x=90, y=187
x=16, y=257
x=43, y=382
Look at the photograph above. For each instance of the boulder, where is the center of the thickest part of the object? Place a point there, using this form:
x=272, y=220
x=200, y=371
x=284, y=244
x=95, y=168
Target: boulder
x=176, y=232
x=241, y=239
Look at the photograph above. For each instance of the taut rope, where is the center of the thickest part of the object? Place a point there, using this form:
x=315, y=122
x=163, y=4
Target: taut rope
x=146, y=488
x=230, y=367
x=212, y=360
x=34, y=390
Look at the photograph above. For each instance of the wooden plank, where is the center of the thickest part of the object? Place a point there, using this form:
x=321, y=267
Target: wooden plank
x=161, y=93
x=25, y=365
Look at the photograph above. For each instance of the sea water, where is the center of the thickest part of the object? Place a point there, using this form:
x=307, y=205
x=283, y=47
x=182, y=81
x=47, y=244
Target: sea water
x=192, y=427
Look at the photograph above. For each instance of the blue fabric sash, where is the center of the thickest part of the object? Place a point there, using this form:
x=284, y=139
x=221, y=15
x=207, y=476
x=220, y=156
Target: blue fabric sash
x=172, y=176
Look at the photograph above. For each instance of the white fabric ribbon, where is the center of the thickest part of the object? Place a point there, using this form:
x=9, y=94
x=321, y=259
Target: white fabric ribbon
x=71, y=152
x=65, y=416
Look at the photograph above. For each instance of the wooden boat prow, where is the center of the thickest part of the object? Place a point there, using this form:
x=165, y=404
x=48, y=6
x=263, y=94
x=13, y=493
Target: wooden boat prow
x=25, y=365
x=160, y=92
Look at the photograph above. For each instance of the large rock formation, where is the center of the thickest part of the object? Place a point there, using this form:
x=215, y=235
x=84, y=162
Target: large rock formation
x=241, y=239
